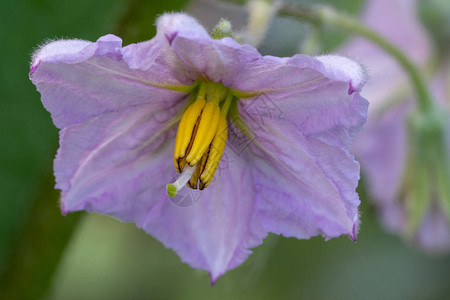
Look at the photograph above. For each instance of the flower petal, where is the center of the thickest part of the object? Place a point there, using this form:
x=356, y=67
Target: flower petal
x=218, y=226
x=216, y=60
x=382, y=151
x=75, y=51
x=78, y=80
x=298, y=73
x=202, y=56
x=433, y=234
x=172, y=25
x=315, y=93
x=119, y=163
x=112, y=163
x=306, y=177
x=143, y=55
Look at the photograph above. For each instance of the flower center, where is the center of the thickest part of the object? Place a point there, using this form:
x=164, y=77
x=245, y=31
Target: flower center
x=201, y=137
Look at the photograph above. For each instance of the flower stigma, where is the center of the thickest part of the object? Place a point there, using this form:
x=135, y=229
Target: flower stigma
x=201, y=137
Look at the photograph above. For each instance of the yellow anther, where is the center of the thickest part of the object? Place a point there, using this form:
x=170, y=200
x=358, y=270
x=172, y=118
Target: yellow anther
x=205, y=133
x=179, y=164
x=201, y=137
x=215, y=153
x=193, y=182
x=186, y=131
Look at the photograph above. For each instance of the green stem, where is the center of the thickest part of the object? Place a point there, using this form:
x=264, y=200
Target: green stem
x=327, y=16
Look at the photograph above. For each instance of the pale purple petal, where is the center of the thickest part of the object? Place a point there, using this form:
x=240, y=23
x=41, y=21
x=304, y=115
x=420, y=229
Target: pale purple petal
x=172, y=25
x=305, y=176
x=318, y=93
x=198, y=56
x=143, y=55
x=119, y=163
x=299, y=73
x=79, y=80
x=67, y=51
x=433, y=234
x=218, y=225
x=75, y=51
x=192, y=52
x=382, y=150
x=112, y=163
x=217, y=60
x=393, y=217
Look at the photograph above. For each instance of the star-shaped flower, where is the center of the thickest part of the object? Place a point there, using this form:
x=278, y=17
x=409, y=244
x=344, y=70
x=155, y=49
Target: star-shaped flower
x=288, y=172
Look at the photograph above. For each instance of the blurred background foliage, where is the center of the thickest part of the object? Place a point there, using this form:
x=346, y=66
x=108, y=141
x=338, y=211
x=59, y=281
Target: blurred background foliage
x=107, y=259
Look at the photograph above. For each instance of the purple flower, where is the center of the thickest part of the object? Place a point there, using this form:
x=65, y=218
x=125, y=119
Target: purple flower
x=386, y=149
x=288, y=172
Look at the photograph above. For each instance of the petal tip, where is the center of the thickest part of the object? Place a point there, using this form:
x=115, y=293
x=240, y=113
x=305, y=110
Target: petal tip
x=214, y=278
x=170, y=36
x=351, y=88
x=355, y=229
x=110, y=38
x=33, y=68
x=171, y=24
x=64, y=211
x=58, y=51
x=345, y=69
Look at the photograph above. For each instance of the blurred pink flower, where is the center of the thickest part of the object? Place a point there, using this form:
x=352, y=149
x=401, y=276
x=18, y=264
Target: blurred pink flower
x=383, y=148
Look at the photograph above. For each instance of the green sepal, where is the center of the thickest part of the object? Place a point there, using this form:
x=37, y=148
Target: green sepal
x=222, y=29
x=417, y=195
x=443, y=181
x=427, y=175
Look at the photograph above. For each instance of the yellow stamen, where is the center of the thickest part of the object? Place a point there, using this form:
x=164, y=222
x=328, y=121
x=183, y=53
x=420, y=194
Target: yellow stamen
x=215, y=153
x=193, y=182
x=205, y=132
x=187, y=128
x=202, y=135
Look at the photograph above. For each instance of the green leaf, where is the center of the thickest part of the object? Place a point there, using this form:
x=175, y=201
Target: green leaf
x=33, y=234
x=28, y=138
x=37, y=251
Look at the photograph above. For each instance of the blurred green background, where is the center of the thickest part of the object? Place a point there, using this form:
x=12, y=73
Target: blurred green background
x=106, y=259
